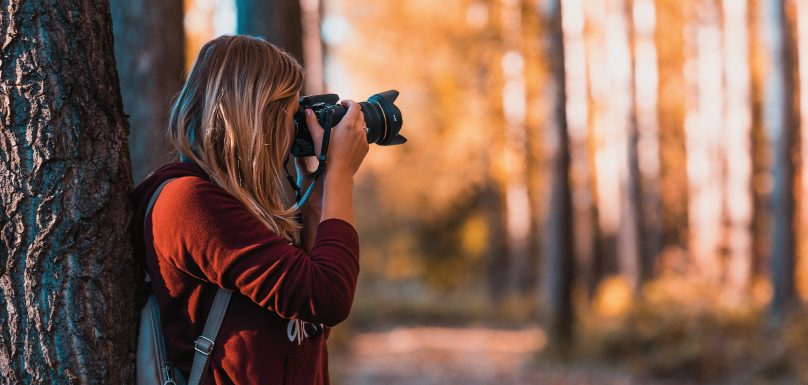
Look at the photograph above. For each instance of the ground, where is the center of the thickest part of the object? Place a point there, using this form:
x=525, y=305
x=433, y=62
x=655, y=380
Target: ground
x=467, y=356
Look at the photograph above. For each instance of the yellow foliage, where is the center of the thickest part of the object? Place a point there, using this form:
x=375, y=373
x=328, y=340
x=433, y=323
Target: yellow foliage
x=613, y=298
x=474, y=236
x=401, y=264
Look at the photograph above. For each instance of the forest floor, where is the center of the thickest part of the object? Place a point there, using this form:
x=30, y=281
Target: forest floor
x=468, y=356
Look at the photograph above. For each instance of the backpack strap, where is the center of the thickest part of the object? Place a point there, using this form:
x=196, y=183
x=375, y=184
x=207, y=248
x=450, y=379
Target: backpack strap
x=154, y=198
x=203, y=346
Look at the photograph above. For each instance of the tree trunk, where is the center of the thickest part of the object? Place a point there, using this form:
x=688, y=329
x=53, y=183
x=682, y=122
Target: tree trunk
x=149, y=50
x=604, y=174
x=516, y=154
x=646, y=147
x=497, y=260
x=577, y=108
x=704, y=139
x=558, y=270
x=779, y=120
x=67, y=277
x=277, y=21
x=802, y=60
x=632, y=236
x=313, y=46
x=669, y=37
x=738, y=200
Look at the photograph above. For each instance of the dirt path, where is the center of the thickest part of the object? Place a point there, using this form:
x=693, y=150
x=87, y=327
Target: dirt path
x=467, y=356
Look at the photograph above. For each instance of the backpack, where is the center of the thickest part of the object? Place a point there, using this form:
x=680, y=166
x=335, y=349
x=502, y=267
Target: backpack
x=153, y=367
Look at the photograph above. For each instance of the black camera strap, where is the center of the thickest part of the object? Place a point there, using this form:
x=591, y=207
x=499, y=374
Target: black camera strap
x=300, y=196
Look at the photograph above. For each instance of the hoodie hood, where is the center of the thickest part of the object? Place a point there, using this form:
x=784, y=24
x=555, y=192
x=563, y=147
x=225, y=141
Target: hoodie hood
x=143, y=192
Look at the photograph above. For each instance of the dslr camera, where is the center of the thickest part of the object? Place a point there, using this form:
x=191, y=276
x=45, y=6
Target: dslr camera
x=382, y=118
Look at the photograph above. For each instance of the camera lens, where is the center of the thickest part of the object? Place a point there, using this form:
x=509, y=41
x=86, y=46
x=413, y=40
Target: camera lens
x=383, y=119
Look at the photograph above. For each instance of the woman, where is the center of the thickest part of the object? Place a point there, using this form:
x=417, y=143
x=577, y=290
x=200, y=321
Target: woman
x=226, y=221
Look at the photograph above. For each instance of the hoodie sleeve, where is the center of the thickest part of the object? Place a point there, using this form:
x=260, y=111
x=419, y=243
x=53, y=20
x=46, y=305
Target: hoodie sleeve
x=204, y=231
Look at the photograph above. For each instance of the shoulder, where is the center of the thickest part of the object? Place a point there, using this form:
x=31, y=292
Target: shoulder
x=193, y=202
x=191, y=187
x=192, y=191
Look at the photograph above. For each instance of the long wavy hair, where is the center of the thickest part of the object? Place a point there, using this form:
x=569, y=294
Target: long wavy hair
x=231, y=119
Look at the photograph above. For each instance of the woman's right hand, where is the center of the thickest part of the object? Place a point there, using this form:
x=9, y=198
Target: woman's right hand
x=348, y=143
x=347, y=147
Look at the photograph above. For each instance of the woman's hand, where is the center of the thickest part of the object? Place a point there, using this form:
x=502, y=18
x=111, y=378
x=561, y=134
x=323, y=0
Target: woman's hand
x=347, y=148
x=348, y=143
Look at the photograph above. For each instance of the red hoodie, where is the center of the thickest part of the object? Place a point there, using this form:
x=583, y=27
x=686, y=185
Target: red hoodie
x=199, y=237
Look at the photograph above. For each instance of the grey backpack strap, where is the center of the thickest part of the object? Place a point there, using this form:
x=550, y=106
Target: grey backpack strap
x=154, y=198
x=203, y=346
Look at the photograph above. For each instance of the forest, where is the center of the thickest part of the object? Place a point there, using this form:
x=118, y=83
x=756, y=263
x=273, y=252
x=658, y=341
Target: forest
x=592, y=191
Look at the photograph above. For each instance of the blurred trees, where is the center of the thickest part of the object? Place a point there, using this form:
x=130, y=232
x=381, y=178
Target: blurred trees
x=679, y=131
x=564, y=154
x=277, y=21
x=559, y=258
x=68, y=282
x=780, y=121
x=149, y=41
x=738, y=198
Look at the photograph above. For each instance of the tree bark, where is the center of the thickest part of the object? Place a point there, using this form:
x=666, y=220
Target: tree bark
x=780, y=120
x=277, y=21
x=559, y=258
x=67, y=278
x=149, y=46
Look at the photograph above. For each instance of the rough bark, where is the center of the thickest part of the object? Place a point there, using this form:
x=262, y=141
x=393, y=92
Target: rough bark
x=559, y=258
x=780, y=120
x=67, y=279
x=278, y=21
x=149, y=48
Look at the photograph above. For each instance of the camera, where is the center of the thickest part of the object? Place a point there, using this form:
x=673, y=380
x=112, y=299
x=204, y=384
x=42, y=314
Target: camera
x=382, y=118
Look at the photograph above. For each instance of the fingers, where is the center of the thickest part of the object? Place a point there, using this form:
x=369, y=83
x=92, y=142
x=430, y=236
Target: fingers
x=315, y=130
x=354, y=111
x=311, y=121
x=305, y=165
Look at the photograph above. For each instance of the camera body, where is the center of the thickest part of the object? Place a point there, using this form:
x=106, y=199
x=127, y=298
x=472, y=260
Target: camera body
x=382, y=118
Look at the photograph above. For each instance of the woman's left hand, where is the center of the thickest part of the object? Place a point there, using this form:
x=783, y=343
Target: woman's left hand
x=306, y=166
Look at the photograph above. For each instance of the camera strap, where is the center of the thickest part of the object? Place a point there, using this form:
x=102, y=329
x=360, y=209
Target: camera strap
x=302, y=197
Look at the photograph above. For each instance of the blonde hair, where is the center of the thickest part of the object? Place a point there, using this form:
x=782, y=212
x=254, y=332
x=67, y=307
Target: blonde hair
x=230, y=118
